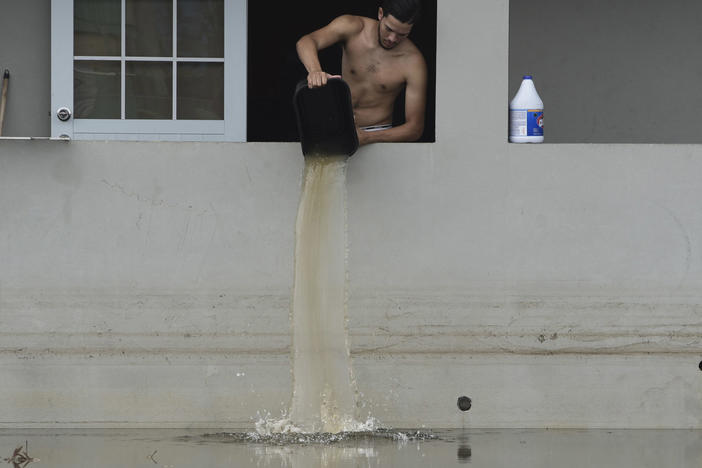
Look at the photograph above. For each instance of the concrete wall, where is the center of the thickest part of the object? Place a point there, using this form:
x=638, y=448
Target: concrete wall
x=25, y=50
x=611, y=72
x=148, y=284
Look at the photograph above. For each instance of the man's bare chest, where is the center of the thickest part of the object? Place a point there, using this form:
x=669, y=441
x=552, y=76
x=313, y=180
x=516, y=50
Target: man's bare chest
x=381, y=73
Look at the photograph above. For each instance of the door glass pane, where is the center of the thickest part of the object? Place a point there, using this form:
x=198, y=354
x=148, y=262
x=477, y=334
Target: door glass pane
x=149, y=25
x=149, y=90
x=97, y=27
x=96, y=89
x=201, y=28
x=200, y=91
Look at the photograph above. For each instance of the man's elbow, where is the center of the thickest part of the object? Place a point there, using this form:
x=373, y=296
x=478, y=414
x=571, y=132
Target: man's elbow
x=300, y=44
x=415, y=132
x=305, y=42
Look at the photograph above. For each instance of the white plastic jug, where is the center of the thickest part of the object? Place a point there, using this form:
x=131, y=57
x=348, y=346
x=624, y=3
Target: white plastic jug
x=526, y=114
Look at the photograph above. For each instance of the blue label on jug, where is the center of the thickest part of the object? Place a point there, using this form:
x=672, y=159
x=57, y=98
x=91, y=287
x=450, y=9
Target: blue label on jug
x=535, y=122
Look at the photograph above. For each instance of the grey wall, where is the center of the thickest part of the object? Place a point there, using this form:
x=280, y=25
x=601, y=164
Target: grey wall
x=25, y=33
x=148, y=284
x=624, y=71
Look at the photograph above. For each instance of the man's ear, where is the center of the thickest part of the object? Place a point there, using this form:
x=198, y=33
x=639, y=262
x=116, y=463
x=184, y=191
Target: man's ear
x=380, y=13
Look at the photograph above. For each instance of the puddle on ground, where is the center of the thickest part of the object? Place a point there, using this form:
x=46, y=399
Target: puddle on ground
x=379, y=448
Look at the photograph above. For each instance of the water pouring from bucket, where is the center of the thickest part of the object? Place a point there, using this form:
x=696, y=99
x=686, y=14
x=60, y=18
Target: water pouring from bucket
x=324, y=390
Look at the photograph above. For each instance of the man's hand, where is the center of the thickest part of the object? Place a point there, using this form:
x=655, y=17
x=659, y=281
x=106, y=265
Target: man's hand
x=319, y=78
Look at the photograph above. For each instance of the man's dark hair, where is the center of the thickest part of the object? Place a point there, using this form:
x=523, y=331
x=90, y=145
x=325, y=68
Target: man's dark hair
x=406, y=11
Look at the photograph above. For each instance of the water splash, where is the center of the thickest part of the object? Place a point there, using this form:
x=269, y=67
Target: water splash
x=268, y=427
x=271, y=437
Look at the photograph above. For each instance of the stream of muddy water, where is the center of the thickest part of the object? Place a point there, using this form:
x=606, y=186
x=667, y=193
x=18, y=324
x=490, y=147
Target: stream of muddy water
x=324, y=391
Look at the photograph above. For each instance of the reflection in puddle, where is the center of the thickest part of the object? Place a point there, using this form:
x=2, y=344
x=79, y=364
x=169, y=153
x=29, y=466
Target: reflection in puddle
x=464, y=451
x=306, y=450
x=310, y=457
x=20, y=457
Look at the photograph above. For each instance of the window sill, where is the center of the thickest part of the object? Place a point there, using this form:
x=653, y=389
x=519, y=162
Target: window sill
x=34, y=138
x=600, y=144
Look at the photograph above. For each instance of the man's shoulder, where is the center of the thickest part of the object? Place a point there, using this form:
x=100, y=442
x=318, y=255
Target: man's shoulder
x=412, y=55
x=352, y=24
x=410, y=48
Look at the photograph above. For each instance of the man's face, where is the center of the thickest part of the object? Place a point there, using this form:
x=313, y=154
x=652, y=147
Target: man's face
x=391, y=31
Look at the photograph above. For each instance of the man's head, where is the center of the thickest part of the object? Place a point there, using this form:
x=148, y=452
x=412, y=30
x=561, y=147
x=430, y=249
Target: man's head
x=396, y=18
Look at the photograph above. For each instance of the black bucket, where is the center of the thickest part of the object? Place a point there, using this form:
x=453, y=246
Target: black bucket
x=325, y=119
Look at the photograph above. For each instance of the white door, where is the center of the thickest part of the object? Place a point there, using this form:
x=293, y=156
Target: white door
x=149, y=69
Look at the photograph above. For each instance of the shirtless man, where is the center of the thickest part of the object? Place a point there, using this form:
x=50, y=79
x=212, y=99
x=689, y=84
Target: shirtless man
x=378, y=62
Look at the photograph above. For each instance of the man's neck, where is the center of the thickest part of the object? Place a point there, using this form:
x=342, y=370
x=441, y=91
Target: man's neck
x=377, y=43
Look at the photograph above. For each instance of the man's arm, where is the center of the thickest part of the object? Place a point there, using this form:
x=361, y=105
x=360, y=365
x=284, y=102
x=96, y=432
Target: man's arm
x=415, y=105
x=338, y=30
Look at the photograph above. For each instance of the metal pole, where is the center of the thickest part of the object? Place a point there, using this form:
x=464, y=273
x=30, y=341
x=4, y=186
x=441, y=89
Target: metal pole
x=3, y=101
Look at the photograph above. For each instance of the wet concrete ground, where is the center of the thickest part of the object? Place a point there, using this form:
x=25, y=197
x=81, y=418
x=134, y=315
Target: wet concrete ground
x=394, y=448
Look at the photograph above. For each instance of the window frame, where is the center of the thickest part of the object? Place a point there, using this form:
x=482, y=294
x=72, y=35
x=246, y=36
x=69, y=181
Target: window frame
x=232, y=128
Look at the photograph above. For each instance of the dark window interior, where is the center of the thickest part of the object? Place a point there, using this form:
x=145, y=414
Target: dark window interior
x=274, y=69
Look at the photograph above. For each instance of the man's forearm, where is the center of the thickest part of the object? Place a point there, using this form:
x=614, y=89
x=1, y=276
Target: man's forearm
x=404, y=132
x=307, y=52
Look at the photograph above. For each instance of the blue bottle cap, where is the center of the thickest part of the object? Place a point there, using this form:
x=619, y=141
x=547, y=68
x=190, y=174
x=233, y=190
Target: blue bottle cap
x=527, y=77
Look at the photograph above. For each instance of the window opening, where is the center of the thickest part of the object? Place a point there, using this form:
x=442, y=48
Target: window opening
x=274, y=68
